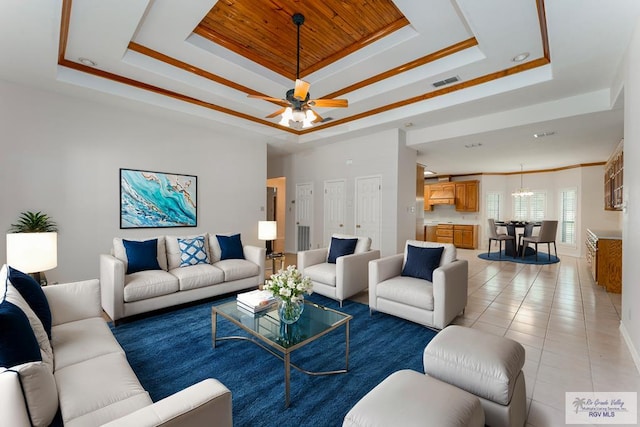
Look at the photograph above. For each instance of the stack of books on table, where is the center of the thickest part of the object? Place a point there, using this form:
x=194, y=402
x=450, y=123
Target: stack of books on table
x=256, y=301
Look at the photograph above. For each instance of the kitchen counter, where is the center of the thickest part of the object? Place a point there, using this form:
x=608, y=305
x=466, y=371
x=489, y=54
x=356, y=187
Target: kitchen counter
x=607, y=234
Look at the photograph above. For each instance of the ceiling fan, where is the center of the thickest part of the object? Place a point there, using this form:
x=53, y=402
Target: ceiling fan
x=296, y=106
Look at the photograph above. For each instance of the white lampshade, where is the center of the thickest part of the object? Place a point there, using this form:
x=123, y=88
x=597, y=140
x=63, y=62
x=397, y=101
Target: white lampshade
x=32, y=252
x=267, y=230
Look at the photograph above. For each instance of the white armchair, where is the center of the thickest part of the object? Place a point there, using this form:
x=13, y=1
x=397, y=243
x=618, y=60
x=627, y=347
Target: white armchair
x=347, y=277
x=433, y=304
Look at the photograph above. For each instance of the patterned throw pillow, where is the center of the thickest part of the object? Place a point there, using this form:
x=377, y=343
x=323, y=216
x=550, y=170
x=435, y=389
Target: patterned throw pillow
x=192, y=251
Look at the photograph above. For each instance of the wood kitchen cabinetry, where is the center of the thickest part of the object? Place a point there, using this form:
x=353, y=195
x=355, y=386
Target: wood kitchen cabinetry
x=613, y=182
x=604, y=255
x=464, y=195
x=461, y=235
x=467, y=196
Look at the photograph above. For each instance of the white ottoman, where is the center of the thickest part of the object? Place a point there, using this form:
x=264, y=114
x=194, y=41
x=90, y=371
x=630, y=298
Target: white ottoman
x=408, y=398
x=486, y=365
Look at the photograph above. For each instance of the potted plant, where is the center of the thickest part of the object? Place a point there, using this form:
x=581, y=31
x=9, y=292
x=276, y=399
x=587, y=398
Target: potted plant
x=32, y=245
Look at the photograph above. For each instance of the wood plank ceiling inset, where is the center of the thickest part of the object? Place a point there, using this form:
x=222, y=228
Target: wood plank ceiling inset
x=263, y=32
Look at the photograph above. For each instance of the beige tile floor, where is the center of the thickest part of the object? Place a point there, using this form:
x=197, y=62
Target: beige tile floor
x=568, y=325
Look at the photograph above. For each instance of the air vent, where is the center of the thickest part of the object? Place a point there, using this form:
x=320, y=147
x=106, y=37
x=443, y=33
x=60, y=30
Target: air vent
x=326, y=119
x=446, y=81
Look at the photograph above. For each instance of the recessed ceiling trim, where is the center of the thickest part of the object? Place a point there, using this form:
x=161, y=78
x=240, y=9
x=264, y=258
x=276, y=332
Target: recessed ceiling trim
x=449, y=50
x=463, y=85
x=64, y=31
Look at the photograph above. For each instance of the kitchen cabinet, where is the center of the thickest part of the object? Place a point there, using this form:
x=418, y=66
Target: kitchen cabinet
x=462, y=194
x=430, y=233
x=604, y=255
x=427, y=193
x=467, y=196
x=613, y=179
x=465, y=236
x=461, y=235
x=444, y=233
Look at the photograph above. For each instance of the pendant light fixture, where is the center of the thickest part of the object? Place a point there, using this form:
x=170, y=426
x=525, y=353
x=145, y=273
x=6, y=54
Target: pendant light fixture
x=522, y=191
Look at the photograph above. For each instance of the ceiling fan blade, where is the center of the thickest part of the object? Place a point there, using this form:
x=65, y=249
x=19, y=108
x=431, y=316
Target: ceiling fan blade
x=301, y=90
x=318, y=118
x=276, y=113
x=279, y=101
x=329, y=103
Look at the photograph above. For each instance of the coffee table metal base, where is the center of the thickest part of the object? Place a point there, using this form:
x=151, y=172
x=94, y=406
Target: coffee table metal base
x=285, y=357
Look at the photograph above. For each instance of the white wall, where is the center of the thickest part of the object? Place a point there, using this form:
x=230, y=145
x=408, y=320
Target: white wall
x=62, y=155
x=631, y=216
x=372, y=155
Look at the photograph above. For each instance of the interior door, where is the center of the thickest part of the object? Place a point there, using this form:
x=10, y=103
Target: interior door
x=304, y=216
x=368, y=207
x=335, y=200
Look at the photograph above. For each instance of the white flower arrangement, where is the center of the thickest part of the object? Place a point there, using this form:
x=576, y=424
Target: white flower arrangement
x=289, y=285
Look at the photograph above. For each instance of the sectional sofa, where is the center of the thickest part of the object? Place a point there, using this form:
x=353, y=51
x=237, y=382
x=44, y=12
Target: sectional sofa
x=139, y=276
x=61, y=365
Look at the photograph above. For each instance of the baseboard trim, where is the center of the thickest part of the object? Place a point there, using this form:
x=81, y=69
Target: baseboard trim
x=634, y=353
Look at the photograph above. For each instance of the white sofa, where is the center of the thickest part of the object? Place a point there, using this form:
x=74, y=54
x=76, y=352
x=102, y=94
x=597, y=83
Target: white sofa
x=85, y=373
x=124, y=295
x=431, y=303
x=344, y=278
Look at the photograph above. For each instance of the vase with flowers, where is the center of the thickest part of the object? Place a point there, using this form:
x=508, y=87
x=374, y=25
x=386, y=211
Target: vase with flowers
x=289, y=287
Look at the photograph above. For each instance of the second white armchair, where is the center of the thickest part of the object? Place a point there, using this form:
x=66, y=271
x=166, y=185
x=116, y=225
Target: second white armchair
x=401, y=287
x=335, y=275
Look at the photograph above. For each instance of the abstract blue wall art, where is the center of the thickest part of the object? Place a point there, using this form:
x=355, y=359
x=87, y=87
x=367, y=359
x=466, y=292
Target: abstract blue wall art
x=157, y=199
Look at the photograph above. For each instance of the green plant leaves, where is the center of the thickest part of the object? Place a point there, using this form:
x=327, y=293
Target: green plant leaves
x=33, y=222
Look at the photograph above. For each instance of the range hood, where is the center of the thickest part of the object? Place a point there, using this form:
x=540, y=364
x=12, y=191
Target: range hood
x=442, y=197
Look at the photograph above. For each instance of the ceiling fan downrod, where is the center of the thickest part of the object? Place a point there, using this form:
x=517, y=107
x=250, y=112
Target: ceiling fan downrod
x=298, y=19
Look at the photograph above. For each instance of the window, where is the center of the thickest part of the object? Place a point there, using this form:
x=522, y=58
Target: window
x=530, y=208
x=568, y=206
x=494, y=208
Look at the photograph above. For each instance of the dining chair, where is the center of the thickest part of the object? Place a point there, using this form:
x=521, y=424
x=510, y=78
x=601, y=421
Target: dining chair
x=528, y=232
x=493, y=235
x=547, y=235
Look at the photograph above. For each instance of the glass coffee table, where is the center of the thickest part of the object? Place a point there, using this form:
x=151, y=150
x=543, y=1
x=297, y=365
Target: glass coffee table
x=280, y=339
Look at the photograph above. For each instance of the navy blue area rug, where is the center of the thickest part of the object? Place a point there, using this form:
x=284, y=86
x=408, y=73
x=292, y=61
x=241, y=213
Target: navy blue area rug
x=173, y=350
x=543, y=258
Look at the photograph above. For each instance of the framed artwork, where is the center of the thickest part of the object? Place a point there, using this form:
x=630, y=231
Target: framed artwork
x=157, y=199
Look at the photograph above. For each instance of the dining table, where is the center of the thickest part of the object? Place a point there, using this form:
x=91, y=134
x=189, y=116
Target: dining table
x=513, y=247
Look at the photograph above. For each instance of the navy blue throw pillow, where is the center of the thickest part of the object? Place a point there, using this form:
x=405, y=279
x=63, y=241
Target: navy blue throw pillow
x=231, y=247
x=421, y=262
x=141, y=256
x=341, y=247
x=18, y=343
x=32, y=293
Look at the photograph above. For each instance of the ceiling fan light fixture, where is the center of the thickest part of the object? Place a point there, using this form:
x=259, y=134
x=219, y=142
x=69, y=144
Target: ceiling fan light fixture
x=286, y=116
x=298, y=115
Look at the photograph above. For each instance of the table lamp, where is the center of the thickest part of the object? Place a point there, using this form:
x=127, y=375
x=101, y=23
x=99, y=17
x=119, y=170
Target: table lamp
x=268, y=230
x=33, y=253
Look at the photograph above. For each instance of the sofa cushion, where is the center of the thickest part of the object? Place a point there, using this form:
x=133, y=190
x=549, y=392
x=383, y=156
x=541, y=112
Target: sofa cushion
x=40, y=391
x=408, y=291
x=99, y=390
x=340, y=247
x=120, y=253
x=149, y=284
x=11, y=294
x=448, y=255
x=230, y=247
x=236, y=269
x=18, y=344
x=197, y=276
x=141, y=256
x=77, y=341
x=421, y=262
x=174, y=253
x=32, y=293
x=324, y=273
x=363, y=245
x=193, y=251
